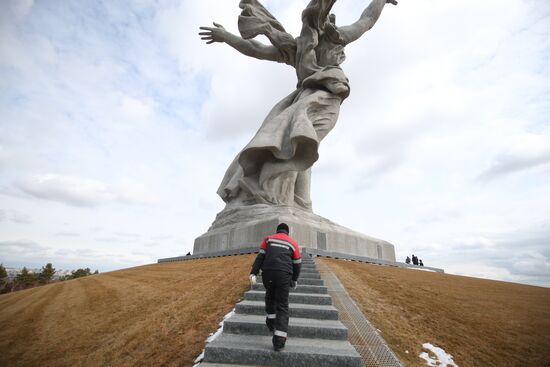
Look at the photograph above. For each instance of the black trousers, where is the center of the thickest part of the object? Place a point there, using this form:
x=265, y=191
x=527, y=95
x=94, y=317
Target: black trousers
x=277, y=287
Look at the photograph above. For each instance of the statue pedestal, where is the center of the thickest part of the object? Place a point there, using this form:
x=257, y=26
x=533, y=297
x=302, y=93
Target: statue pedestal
x=246, y=226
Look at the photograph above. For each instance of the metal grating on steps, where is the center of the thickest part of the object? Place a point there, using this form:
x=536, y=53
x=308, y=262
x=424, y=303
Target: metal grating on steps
x=362, y=335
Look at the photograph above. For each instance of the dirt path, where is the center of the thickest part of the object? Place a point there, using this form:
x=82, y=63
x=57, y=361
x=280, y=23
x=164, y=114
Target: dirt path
x=480, y=322
x=148, y=316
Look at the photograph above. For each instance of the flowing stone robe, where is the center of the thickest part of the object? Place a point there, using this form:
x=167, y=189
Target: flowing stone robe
x=275, y=166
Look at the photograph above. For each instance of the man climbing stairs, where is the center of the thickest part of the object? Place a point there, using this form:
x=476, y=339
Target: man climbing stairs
x=316, y=337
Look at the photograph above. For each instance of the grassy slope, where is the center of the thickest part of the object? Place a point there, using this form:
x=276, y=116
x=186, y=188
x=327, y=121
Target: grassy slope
x=161, y=314
x=480, y=322
x=148, y=316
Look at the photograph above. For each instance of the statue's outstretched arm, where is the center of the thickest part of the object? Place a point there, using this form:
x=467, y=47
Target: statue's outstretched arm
x=250, y=48
x=367, y=20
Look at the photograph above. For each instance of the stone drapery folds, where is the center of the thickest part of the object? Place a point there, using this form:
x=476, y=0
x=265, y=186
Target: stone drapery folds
x=275, y=166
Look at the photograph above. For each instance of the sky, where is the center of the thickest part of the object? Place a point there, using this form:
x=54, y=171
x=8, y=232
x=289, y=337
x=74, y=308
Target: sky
x=117, y=124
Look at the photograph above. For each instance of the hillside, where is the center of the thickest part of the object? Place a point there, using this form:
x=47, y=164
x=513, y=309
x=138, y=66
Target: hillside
x=479, y=322
x=151, y=315
x=161, y=314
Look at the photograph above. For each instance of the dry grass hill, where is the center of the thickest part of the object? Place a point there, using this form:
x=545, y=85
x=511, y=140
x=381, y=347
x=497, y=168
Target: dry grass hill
x=154, y=315
x=479, y=322
x=160, y=315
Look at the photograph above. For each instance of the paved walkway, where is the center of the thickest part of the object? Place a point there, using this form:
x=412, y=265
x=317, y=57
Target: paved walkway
x=362, y=335
x=326, y=329
x=316, y=337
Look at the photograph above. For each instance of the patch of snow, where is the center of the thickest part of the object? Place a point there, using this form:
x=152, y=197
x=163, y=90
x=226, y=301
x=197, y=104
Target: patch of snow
x=442, y=358
x=199, y=359
x=213, y=337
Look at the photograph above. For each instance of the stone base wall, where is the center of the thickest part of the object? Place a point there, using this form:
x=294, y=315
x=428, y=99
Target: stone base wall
x=245, y=227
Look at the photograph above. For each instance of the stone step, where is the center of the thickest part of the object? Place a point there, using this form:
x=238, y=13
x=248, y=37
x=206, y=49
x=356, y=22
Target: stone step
x=321, y=312
x=299, y=289
x=304, y=298
x=303, y=281
x=302, y=276
x=297, y=327
x=258, y=350
x=309, y=281
x=309, y=275
x=309, y=270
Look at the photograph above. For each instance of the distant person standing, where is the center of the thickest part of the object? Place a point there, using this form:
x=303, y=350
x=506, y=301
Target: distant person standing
x=408, y=260
x=280, y=261
x=420, y=262
x=415, y=260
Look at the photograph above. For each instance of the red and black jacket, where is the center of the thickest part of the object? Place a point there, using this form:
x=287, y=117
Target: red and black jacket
x=279, y=252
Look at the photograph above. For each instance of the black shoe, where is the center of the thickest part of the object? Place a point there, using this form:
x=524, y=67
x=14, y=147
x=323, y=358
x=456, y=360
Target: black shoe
x=270, y=323
x=278, y=343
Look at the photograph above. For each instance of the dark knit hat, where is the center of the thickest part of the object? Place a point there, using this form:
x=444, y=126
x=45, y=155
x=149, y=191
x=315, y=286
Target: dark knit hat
x=283, y=227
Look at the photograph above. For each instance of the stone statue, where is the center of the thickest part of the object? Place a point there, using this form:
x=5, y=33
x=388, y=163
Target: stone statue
x=275, y=167
x=269, y=180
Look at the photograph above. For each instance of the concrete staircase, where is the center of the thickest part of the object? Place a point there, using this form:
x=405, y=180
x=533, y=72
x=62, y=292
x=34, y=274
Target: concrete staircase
x=315, y=337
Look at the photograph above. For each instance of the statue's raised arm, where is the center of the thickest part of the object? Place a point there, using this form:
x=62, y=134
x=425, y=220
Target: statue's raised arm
x=250, y=47
x=256, y=20
x=367, y=20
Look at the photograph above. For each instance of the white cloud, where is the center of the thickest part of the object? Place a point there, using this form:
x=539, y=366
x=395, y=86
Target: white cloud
x=20, y=247
x=83, y=192
x=134, y=109
x=20, y=218
x=532, y=264
x=19, y=9
x=525, y=151
x=14, y=216
x=67, y=234
x=33, y=254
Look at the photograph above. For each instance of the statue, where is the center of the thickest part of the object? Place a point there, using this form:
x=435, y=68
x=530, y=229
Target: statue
x=275, y=167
